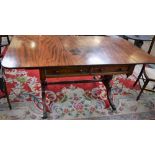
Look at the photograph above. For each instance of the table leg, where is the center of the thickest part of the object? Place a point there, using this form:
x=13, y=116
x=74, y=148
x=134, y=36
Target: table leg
x=44, y=101
x=43, y=86
x=106, y=80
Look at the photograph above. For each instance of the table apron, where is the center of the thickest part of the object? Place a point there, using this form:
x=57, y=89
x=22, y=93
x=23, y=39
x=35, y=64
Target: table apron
x=88, y=70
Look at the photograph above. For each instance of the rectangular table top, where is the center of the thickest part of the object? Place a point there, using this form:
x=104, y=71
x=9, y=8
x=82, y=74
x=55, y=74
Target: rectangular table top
x=49, y=51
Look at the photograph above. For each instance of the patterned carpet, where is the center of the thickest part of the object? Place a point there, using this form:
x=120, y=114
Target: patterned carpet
x=75, y=101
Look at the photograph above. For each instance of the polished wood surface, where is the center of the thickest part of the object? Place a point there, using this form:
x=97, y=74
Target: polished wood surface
x=55, y=51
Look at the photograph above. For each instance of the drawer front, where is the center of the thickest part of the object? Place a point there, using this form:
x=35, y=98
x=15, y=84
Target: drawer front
x=109, y=69
x=67, y=71
x=87, y=70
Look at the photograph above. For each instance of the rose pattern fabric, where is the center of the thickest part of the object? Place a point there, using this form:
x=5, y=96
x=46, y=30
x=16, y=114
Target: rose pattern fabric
x=76, y=101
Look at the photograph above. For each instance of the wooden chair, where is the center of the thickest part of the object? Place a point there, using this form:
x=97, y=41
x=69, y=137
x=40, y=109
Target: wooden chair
x=147, y=74
x=3, y=87
x=1, y=42
x=138, y=39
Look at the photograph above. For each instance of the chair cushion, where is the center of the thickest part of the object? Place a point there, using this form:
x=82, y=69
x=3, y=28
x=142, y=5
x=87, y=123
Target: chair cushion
x=150, y=72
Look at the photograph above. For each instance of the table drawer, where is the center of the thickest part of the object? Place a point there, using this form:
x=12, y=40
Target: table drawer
x=67, y=71
x=109, y=69
x=86, y=70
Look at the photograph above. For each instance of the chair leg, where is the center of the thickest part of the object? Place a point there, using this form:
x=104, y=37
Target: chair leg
x=140, y=74
x=145, y=84
x=138, y=43
x=8, y=40
x=0, y=44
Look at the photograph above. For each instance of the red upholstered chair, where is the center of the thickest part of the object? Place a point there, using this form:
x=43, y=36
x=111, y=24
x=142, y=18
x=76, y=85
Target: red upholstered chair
x=147, y=74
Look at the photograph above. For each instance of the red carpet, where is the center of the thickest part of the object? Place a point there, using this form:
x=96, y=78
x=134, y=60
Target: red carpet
x=25, y=84
x=74, y=101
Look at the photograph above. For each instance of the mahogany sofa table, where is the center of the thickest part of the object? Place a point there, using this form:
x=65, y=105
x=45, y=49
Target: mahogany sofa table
x=60, y=56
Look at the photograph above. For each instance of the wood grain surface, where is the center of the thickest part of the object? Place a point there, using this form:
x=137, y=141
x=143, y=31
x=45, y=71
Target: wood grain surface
x=54, y=51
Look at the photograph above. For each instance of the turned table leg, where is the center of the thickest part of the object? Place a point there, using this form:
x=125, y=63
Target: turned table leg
x=43, y=86
x=106, y=80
